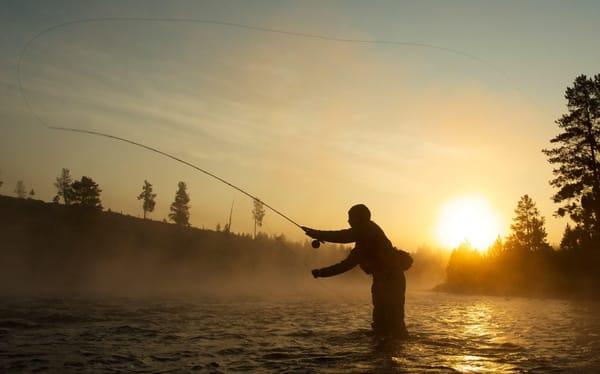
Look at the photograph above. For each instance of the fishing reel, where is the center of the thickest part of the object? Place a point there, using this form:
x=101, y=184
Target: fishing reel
x=315, y=243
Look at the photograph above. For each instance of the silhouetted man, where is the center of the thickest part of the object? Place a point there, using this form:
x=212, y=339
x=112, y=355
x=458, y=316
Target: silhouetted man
x=376, y=256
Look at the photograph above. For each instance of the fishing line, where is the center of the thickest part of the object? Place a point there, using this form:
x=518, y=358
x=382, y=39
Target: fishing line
x=217, y=23
x=231, y=25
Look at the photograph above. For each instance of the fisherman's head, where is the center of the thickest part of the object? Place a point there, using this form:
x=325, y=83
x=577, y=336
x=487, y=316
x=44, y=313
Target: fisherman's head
x=358, y=215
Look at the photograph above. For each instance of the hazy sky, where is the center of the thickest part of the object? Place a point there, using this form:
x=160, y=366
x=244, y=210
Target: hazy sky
x=311, y=126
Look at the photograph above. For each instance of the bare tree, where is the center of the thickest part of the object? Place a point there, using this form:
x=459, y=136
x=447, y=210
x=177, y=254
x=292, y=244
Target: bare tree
x=64, y=186
x=258, y=213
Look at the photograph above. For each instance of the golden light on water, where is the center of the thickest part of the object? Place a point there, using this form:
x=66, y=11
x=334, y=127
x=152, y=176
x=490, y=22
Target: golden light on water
x=469, y=219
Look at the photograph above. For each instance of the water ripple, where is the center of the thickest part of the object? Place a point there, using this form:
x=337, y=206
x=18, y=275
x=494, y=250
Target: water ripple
x=448, y=334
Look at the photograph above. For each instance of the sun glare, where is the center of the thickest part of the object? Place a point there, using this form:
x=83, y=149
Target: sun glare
x=468, y=219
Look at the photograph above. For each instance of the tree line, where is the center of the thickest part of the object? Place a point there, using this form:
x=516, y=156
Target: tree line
x=524, y=262
x=85, y=193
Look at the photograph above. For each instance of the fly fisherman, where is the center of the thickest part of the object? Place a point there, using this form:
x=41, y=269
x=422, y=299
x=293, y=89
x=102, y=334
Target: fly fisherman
x=375, y=255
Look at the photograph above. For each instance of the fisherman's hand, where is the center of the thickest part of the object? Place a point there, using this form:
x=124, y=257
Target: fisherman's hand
x=316, y=273
x=310, y=232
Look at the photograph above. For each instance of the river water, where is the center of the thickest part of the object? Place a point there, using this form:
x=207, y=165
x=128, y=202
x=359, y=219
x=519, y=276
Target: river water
x=449, y=333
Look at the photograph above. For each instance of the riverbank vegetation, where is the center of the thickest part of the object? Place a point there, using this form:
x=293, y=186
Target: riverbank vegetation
x=524, y=263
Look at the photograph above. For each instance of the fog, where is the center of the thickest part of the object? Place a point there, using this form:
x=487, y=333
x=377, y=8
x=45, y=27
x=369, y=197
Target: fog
x=54, y=250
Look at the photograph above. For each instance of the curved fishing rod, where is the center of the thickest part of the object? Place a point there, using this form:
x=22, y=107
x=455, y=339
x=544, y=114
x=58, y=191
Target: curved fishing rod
x=156, y=150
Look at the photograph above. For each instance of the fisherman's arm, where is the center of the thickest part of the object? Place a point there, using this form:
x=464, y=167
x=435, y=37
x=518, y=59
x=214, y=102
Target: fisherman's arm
x=339, y=268
x=338, y=236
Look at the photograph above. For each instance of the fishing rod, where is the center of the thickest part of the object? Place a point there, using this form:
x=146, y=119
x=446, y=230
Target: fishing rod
x=163, y=153
x=315, y=243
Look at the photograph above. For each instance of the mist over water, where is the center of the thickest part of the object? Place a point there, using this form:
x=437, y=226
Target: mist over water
x=51, y=250
x=449, y=333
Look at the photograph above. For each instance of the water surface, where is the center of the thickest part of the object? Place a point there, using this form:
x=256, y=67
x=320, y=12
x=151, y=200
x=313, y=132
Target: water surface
x=449, y=333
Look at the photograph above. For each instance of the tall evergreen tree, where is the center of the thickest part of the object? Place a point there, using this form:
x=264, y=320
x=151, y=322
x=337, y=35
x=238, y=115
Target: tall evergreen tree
x=496, y=249
x=148, y=197
x=570, y=239
x=63, y=186
x=86, y=193
x=577, y=156
x=258, y=213
x=180, y=209
x=528, y=232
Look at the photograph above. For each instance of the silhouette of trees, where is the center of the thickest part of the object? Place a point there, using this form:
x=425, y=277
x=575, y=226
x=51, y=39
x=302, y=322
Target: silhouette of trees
x=31, y=193
x=180, y=209
x=528, y=232
x=496, y=249
x=571, y=239
x=464, y=268
x=85, y=193
x=148, y=197
x=258, y=213
x=20, y=190
x=63, y=185
x=525, y=263
x=577, y=159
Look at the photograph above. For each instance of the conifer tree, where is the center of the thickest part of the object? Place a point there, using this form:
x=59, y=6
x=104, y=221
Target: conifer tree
x=148, y=197
x=576, y=155
x=570, y=239
x=180, y=209
x=528, y=232
x=85, y=193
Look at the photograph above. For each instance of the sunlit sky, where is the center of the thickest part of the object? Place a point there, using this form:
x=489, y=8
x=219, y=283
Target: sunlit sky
x=310, y=126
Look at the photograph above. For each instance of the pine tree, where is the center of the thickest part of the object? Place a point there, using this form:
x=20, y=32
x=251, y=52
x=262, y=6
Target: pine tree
x=570, y=239
x=148, y=197
x=528, y=232
x=258, y=213
x=577, y=156
x=496, y=249
x=180, y=209
x=85, y=193
x=63, y=185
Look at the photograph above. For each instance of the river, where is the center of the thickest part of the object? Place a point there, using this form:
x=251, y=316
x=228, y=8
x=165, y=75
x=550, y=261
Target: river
x=449, y=333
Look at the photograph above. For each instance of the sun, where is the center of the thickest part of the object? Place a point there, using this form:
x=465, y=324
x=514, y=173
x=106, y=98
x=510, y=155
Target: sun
x=468, y=219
